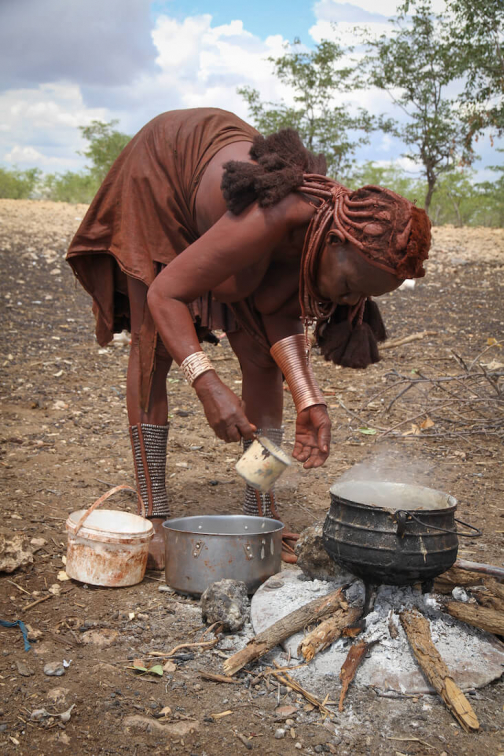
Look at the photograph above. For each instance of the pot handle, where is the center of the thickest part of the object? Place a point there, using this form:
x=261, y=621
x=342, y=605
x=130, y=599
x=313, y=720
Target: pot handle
x=402, y=525
x=99, y=501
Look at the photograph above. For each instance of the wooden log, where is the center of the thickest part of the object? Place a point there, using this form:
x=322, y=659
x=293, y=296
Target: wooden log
x=284, y=628
x=327, y=632
x=485, y=569
x=486, y=598
x=350, y=665
x=483, y=617
x=417, y=630
x=495, y=588
x=454, y=577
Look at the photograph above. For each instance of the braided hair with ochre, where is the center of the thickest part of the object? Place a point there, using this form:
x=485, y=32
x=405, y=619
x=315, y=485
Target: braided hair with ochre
x=385, y=228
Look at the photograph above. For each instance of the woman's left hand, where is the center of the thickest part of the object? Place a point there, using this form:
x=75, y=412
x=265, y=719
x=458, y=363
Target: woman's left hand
x=313, y=436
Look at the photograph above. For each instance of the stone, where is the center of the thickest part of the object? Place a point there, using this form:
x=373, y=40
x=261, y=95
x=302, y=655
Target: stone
x=279, y=733
x=54, y=669
x=314, y=560
x=15, y=551
x=138, y=724
x=33, y=633
x=226, y=602
x=43, y=649
x=101, y=638
x=38, y=715
x=58, y=696
x=62, y=738
x=37, y=544
x=284, y=712
x=24, y=669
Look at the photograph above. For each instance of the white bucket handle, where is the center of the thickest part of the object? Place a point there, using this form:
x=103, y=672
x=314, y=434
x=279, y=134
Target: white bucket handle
x=105, y=496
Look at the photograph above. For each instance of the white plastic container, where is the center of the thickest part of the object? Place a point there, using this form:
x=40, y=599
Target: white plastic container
x=262, y=464
x=107, y=547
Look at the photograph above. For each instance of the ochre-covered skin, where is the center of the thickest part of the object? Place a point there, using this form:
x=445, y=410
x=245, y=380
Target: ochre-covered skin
x=158, y=251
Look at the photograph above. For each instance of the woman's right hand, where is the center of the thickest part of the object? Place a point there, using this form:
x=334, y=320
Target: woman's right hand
x=224, y=411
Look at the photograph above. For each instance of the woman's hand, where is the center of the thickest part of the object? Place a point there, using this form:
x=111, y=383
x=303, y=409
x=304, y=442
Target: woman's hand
x=313, y=436
x=224, y=411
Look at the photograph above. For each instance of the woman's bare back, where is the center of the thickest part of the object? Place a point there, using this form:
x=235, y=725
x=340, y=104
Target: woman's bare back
x=273, y=279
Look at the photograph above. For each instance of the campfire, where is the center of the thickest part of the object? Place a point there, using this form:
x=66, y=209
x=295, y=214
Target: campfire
x=415, y=630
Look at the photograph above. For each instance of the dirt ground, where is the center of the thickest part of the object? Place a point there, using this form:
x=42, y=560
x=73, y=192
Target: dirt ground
x=64, y=441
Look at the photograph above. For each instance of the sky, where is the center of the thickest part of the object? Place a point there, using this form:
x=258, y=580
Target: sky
x=64, y=63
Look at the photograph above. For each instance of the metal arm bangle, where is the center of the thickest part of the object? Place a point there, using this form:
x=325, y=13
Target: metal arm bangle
x=292, y=355
x=195, y=365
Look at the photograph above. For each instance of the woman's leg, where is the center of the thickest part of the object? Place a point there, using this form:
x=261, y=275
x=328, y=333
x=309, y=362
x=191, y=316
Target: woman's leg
x=262, y=392
x=148, y=429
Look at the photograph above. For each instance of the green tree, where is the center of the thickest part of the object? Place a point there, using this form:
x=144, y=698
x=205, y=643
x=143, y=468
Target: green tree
x=493, y=193
x=324, y=123
x=476, y=31
x=416, y=64
x=456, y=199
x=105, y=145
x=16, y=184
x=390, y=176
x=69, y=187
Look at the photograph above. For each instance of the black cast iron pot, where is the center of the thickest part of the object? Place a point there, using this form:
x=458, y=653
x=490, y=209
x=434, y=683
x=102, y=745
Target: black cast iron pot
x=392, y=533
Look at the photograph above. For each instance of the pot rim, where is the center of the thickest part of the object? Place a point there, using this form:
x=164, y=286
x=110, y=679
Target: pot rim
x=406, y=487
x=170, y=525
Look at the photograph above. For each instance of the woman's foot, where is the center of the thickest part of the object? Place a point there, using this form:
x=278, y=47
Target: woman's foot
x=156, y=558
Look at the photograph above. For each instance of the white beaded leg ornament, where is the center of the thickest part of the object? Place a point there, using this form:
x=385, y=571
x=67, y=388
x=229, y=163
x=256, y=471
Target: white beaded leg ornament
x=258, y=504
x=149, y=456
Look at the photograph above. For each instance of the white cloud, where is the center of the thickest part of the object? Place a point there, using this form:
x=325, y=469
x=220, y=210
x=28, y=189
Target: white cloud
x=403, y=163
x=205, y=64
x=28, y=155
x=329, y=9
x=386, y=143
x=39, y=126
x=197, y=64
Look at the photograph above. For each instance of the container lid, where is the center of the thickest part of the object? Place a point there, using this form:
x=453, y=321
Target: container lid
x=392, y=496
x=103, y=523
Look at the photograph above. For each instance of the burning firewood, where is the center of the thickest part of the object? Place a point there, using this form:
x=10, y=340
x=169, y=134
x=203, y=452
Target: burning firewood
x=417, y=630
x=327, y=632
x=284, y=628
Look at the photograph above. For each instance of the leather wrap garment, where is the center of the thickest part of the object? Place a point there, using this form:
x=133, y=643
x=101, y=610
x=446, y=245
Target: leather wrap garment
x=143, y=216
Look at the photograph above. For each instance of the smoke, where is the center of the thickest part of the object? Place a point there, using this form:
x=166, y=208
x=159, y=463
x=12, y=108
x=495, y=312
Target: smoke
x=393, y=465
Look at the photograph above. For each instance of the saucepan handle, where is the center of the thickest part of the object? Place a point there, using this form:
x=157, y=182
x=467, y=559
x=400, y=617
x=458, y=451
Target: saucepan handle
x=402, y=517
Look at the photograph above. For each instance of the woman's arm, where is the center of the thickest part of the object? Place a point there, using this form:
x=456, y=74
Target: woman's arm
x=232, y=244
x=313, y=425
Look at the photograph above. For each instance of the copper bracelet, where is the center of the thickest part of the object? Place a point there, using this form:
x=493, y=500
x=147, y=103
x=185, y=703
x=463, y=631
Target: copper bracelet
x=195, y=365
x=292, y=355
